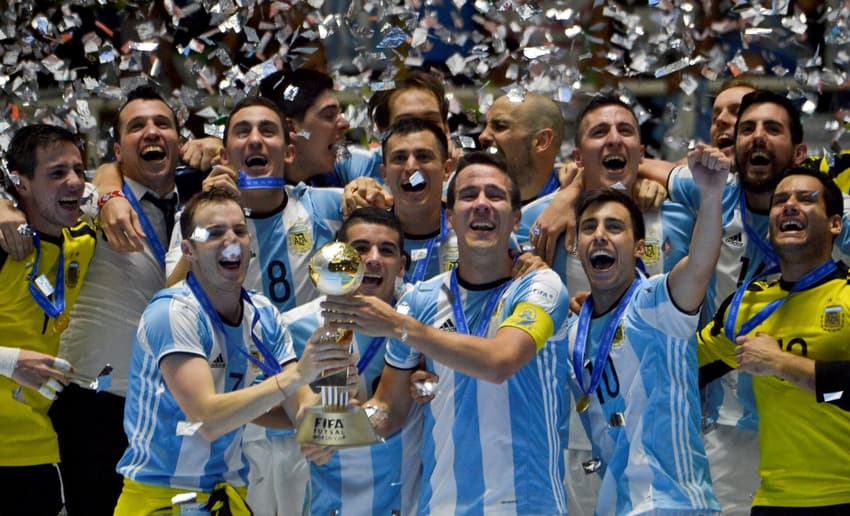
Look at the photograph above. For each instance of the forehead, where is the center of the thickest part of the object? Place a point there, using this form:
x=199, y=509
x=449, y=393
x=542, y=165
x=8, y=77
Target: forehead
x=57, y=152
x=323, y=100
x=764, y=111
x=607, y=210
x=731, y=96
x=371, y=232
x=219, y=212
x=255, y=114
x=415, y=102
x=419, y=139
x=479, y=174
x=504, y=108
x=798, y=183
x=144, y=108
x=612, y=114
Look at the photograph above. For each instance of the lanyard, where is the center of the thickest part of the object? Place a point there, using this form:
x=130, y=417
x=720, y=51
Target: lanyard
x=551, y=185
x=51, y=308
x=760, y=241
x=583, y=331
x=256, y=183
x=369, y=354
x=268, y=365
x=486, y=313
x=147, y=227
x=418, y=273
x=811, y=278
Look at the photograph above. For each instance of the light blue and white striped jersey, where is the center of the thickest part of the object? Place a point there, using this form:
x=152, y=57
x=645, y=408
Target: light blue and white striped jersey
x=530, y=213
x=369, y=479
x=362, y=163
x=656, y=460
x=282, y=243
x=174, y=322
x=492, y=448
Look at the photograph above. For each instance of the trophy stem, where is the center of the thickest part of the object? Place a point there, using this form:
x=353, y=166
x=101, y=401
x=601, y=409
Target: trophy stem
x=334, y=397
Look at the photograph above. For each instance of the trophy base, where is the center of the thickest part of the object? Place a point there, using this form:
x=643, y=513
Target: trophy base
x=324, y=426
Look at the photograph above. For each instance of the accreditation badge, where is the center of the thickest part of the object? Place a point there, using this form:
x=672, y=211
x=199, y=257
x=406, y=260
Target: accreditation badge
x=299, y=238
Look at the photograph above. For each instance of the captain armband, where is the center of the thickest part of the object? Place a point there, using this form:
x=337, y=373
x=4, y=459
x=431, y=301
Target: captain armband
x=8, y=360
x=533, y=320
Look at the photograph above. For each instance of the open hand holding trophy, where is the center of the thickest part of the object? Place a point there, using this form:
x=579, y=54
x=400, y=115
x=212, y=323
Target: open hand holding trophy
x=336, y=269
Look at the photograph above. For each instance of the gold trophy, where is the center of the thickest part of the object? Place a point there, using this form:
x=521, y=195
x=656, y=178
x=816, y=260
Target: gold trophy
x=336, y=269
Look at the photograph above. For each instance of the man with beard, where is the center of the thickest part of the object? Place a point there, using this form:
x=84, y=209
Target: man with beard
x=804, y=464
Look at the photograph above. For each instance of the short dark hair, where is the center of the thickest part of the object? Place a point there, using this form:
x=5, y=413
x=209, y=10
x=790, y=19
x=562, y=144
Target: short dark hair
x=372, y=215
x=24, y=148
x=494, y=159
x=768, y=97
x=256, y=101
x=409, y=125
x=601, y=196
x=307, y=85
x=599, y=102
x=143, y=92
x=215, y=195
x=379, y=103
x=832, y=197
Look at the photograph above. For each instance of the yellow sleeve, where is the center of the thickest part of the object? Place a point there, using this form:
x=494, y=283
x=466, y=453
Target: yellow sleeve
x=714, y=346
x=533, y=320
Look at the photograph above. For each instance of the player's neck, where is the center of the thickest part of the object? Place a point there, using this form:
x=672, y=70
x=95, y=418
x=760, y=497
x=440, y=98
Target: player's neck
x=263, y=201
x=296, y=173
x=226, y=298
x=793, y=270
x=419, y=219
x=39, y=223
x=604, y=299
x=758, y=202
x=531, y=184
x=480, y=269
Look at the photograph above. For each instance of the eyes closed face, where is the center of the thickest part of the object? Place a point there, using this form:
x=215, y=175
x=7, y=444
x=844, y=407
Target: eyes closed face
x=763, y=148
x=482, y=215
x=55, y=189
x=219, y=248
x=724, y=113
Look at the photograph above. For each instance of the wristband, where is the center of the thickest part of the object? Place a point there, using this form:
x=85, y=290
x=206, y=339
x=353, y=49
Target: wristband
x=8, y=360
x=107, y=196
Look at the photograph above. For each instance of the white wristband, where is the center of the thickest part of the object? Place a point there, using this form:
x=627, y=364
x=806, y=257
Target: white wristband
x=8, y=360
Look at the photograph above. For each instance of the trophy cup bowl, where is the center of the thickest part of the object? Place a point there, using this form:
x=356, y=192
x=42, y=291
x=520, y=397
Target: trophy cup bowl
x=336, y=269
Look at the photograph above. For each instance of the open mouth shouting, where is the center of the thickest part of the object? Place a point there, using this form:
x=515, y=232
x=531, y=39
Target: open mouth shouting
x=760, y=158
x=153, y=153
x=372, y=280
x=725, y=141
x=256, y=162
x=70, y=202
x=415, y=183
x=601, y=260
x=614, y=163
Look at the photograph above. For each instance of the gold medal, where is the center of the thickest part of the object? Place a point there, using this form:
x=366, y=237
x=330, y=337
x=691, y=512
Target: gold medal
x=61, y=322
x=583, y=403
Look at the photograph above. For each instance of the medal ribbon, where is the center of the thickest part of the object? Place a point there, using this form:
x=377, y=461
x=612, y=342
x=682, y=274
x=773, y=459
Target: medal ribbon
x=367, y=356
x=761, y=242
x=486, y=313
x=257, y=183
x=52, y=308
x=811, y=278
x=605, y=341
x=147, y=227
x=268, y=365
x=421, y=267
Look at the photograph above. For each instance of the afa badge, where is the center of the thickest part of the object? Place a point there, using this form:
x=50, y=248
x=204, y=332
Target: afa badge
x=72, y=277
x=299, y=238
x=832, y=318
x=619, y=337
x=651, y=252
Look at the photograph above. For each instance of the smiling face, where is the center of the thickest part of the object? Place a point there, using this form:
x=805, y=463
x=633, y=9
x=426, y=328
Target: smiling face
x=255, y=143
x=413, y=171
x=609, y=147
x=318, y=135
x=482, y=215
x=799, y=226
x=607, y=247
x=383, y=259
x=51, y=197
x=763, y=147
x=218, y=249
x=724, y=113
x=148, y=144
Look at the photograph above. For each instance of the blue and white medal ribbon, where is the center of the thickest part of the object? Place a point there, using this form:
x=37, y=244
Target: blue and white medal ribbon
x=244, y=182
x=486, y=313
x=147, y=227
x=52, y=308
x=418, y=272
x=269, y=364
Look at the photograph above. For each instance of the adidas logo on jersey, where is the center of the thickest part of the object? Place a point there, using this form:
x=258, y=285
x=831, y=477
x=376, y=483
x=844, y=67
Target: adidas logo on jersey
x=736, y=240
x=449, y=325
x=218, y=362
